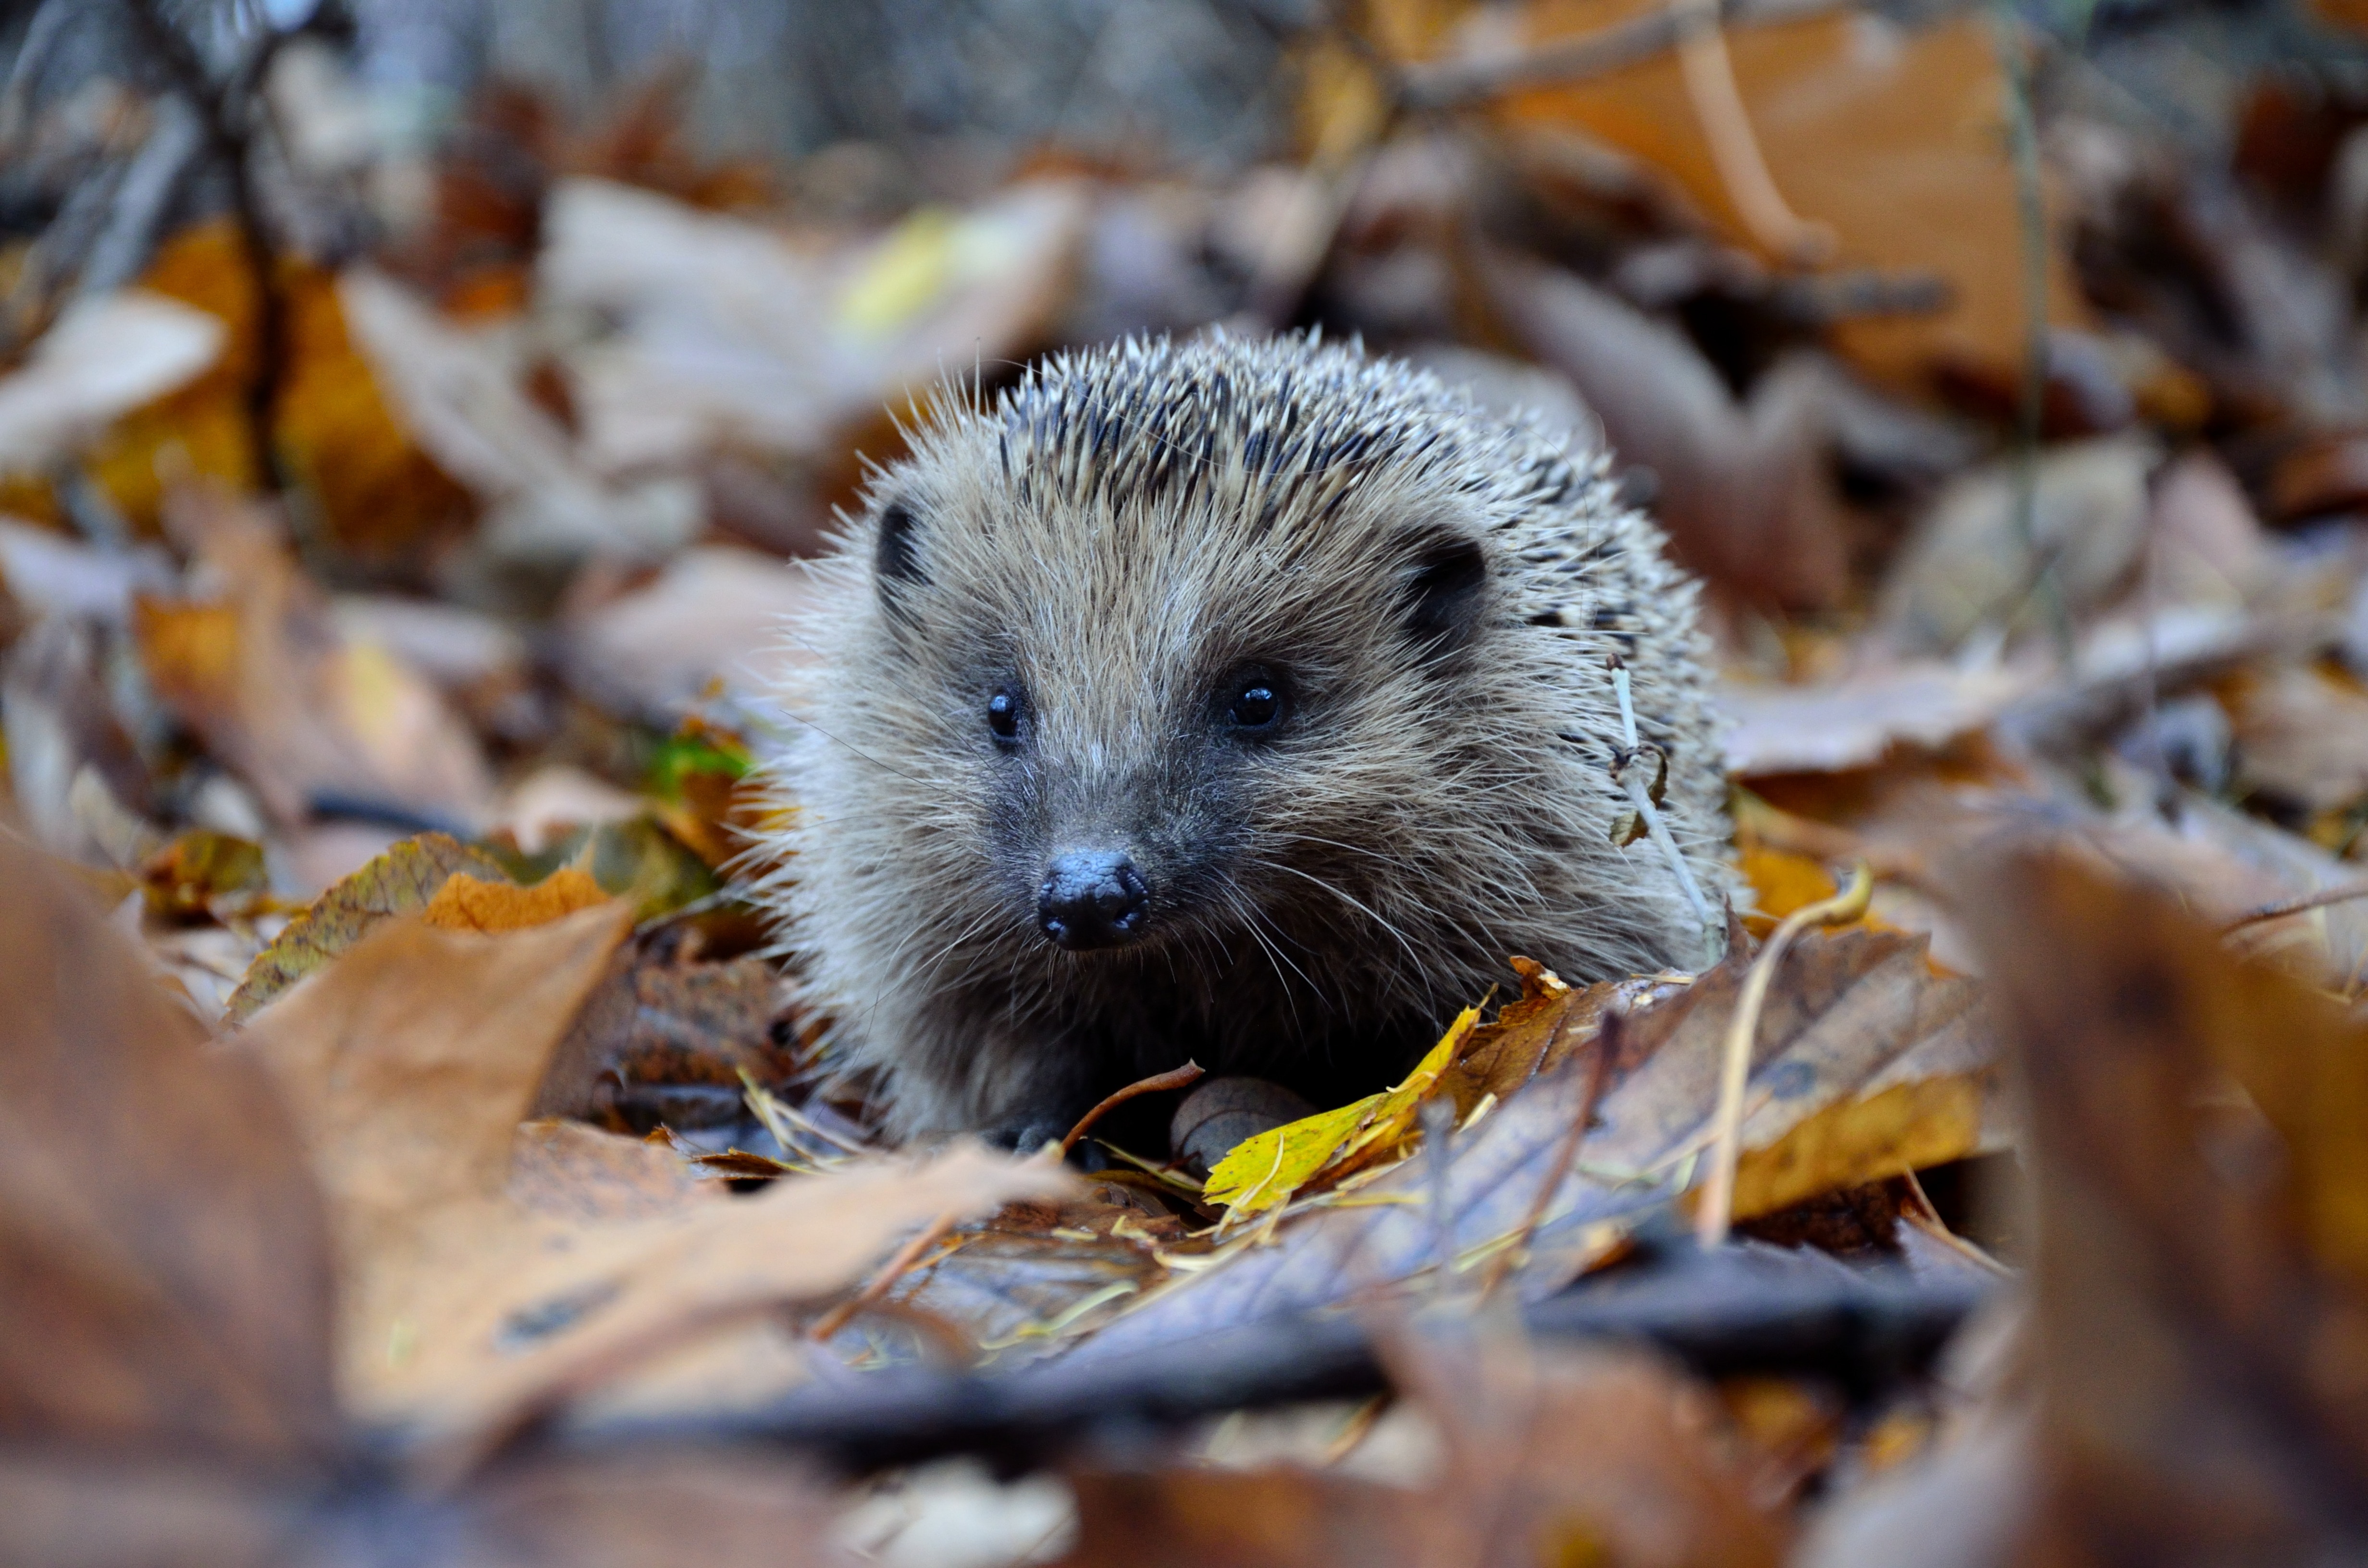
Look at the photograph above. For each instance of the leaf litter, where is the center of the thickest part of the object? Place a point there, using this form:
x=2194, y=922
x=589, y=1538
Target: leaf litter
x=399, y=1068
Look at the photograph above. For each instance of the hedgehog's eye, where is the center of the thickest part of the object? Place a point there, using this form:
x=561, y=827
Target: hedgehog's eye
x=1256, y=705
x=1003, y=714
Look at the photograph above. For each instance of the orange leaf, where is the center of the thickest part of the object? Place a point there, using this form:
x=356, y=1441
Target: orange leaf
x=466, y=904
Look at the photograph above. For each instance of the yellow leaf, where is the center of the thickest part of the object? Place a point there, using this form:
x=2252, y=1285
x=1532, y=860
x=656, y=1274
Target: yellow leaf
x=1908, y=1127
x=1266, y=1171
x=470, y=903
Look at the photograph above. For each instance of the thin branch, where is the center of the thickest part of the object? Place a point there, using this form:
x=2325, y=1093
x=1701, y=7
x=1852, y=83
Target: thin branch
x=839, y=1316
x=1599, y=1074
x=1456, y=84
x=1735, y=152
x=2304, y=906
x=1717, y=1214
x=1733, y=1311
x=223, y=107
x=2031, y=210
x=1176, y=1078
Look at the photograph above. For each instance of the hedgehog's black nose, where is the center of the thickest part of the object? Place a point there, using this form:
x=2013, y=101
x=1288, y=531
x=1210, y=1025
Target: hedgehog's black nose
x=1092, y=898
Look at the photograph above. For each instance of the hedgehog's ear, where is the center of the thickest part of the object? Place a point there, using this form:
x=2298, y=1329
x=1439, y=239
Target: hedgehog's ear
x=1441, y=594
x=895, y=551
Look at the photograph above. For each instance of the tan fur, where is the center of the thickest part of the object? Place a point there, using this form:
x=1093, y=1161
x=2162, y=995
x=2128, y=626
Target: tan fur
x=1117, y=533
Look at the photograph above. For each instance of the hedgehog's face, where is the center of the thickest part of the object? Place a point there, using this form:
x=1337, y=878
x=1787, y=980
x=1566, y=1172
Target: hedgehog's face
x=1147, y=735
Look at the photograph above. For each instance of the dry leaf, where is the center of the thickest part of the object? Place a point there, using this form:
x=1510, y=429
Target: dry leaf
x=262, y=674
x=1583, y=1454
x=1856, y=722
x=730, y=337
x=409, y=1063
x=164, y=1258
x=2302, y=736
x=1892, y=136
x=1967, y=565
x=1266, y=1172
x=472, y=903
x=1553, y=1457
x=401, y=882
x=2200, y=1141
x=104, y=358
x=462, y=400
x=1866, y=1061
x=661, y=1028
x=379, y=499
x=715, y=612
x=1744, y=490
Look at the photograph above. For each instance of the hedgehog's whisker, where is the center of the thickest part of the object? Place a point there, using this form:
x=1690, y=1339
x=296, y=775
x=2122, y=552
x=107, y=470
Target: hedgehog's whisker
x=1399, y=936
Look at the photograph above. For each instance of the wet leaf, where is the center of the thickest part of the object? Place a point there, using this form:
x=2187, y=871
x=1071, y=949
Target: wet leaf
x=401, y=882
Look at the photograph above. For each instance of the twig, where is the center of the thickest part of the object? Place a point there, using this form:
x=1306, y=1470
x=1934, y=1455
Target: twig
x=1598, y=1074
x=839, y=1316
x=1640, y=796
x=2304, y=906
x=229, y=137
x=1717, y=1211
x=1754, y=1316
x=1176, y=1078
x=1455, y=84
x=2030, y=216
x=1709, y=73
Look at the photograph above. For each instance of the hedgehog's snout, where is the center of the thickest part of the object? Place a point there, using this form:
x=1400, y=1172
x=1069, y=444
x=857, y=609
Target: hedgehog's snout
x=1092, y=898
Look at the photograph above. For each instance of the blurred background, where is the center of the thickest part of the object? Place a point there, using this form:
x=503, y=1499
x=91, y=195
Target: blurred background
x=413, y=412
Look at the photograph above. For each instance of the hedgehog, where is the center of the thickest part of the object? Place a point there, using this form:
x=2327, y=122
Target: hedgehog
x=1247, y=702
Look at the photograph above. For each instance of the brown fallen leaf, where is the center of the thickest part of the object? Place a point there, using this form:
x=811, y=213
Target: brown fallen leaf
x=163, y=1256
x=2200, y=1143
x=658, y=1031
x=2302, y=736
x=715, y=612
x=261, y=672
x=401, y=882
x=1965, y=566
x=1742, y=489
x=103, y=357
x=1552, y=1457
x=1856, y=722
x=166, y=1386
x=409, y=1063
x=1564, y=1454
x=203, y=874
x=1893, y=137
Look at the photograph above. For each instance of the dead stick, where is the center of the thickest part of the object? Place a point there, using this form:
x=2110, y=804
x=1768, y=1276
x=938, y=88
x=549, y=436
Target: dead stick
x=1735, y=151
x=1717, y=1212
x=1598, y=1074
x=1174, y=1079
x=2318, y=899
x=838, y=1317
x=1453, y=84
